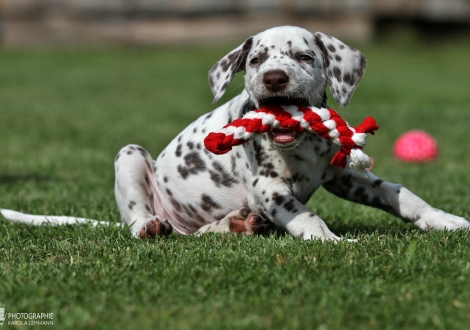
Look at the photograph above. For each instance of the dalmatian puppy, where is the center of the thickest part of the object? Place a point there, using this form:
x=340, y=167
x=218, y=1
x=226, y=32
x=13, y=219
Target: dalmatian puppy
x=267, y=181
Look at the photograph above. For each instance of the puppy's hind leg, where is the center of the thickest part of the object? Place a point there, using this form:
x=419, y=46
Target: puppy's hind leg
x=137, y=193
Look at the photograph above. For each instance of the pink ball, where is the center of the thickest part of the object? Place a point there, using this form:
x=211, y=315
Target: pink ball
x=415, y=146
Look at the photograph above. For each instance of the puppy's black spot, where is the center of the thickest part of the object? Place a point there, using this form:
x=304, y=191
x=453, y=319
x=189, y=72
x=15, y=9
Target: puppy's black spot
x=268, y=170
x=178, y=150
x=192, y=208
x=362, y=62
x=377, y=183
x=337, y=73
x=225, y=64
x=323, y=49
x=221, y=177
x=193, y=165
x=142, y=151
x=175, y=204
x=224, y=87
x=208, y=204
x=209, y=115
x=233, y=56
x=278, y=199
x=257, y=150
x=348, y=79
x=289, y=206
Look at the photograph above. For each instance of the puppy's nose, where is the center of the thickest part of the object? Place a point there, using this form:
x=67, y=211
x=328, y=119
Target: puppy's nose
x=275, y=80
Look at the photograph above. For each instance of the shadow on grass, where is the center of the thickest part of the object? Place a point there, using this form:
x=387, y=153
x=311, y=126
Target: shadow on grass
x=355, y=230
x=351, y=231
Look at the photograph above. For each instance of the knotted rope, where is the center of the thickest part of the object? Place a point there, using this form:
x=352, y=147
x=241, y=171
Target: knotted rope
x=325, y=122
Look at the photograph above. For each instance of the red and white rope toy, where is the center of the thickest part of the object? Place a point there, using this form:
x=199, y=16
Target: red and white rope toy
x=325, y=122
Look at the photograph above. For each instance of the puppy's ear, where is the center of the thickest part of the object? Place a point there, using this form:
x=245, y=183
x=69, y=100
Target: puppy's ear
x=344, y=66
x=223, y=71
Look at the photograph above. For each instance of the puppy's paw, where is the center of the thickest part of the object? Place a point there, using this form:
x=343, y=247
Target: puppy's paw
x=247, y=221
x=238, y=221
x=440, y=220
x=156, y=227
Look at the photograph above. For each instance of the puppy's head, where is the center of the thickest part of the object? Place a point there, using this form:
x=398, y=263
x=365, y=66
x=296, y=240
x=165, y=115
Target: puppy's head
x=289, y=65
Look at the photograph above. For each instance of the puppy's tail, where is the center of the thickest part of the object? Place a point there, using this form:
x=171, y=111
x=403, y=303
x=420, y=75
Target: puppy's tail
x=38, y=220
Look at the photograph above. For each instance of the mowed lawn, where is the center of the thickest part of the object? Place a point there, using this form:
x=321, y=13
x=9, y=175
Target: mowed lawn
x=64, y=115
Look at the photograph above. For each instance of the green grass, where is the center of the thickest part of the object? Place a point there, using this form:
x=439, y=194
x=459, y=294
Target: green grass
x=66, y=113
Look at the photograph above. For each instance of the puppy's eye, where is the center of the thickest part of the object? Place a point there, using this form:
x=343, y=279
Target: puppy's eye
x=305, y=58
x=255, y=60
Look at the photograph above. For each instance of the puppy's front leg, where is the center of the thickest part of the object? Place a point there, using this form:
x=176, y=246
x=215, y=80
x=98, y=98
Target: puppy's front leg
x=393, y=198
x=276, y=202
